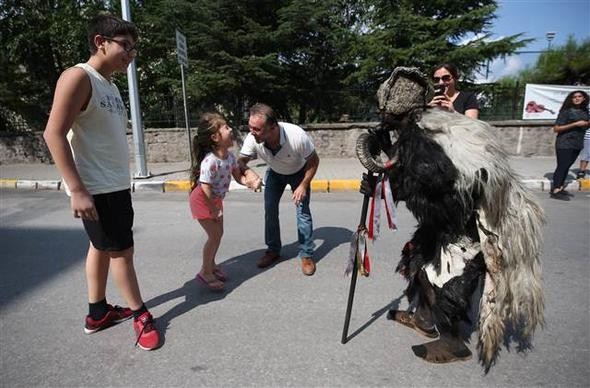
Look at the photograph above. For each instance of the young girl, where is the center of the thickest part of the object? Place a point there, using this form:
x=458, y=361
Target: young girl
x=570, y=126
x=211, y=174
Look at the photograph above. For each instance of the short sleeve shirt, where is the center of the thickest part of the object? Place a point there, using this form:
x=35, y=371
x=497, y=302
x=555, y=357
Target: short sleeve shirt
x=217, y=173
x=296, y=147
x=573, y=138
x=465, y=101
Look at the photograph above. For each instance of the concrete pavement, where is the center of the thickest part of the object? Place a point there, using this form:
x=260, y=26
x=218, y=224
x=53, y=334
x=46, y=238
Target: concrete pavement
x=333, y=175
x=270, y=328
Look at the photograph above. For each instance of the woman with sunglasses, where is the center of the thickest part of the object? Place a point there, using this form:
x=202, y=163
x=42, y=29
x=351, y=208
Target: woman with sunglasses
x=570, y=126
x=453, y=100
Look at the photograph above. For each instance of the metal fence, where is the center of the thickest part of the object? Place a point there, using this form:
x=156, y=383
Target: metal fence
x=496, y=103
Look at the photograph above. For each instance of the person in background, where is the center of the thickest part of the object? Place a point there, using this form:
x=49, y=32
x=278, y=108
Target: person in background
x=571, y=125
x=584, y=156
x=214, y=165
x=86, y=135
x=292, y=160
x=453, y=100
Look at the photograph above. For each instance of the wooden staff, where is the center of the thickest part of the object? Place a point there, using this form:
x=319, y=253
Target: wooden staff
x=354, y=265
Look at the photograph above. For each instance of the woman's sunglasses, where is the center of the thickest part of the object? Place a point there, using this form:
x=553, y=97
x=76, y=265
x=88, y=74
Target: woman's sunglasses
x=445, y=78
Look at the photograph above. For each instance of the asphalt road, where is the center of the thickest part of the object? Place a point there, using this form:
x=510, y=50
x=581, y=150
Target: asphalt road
x=271, y=327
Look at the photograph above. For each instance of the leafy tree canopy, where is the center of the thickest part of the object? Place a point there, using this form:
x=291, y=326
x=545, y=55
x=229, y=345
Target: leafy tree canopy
x=40, y=39
x=424, y=33
x=310, y=59
x=562, y=65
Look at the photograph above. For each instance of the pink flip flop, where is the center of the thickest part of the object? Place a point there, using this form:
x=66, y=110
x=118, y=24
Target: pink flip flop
x=214, y=285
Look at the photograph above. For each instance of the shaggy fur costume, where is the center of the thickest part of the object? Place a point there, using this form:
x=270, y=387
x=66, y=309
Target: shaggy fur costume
x=475, y=220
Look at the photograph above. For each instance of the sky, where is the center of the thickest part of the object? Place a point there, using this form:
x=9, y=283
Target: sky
x=534, y=18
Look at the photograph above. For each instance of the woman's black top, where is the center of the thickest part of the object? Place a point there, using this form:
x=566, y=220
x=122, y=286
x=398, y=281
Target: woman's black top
x=465, y=101
x=572, y=139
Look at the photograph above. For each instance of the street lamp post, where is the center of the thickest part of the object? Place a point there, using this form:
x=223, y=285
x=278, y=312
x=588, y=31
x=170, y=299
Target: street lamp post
x=550, y=35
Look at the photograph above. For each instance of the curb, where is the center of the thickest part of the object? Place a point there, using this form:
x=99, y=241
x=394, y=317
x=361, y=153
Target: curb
x=317, y=186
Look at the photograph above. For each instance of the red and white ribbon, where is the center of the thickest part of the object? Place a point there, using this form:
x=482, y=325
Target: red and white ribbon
x=382, y=192
x=390, y=210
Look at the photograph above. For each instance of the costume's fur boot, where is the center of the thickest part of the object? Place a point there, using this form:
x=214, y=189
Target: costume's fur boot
x=448, y=308
x=422, y=320
x=450, y=347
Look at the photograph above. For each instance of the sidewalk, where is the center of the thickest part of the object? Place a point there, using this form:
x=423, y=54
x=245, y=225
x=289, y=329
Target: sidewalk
x=333, y=175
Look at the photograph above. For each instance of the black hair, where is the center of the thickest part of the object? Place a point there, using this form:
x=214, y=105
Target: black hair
x=569, y=103
x=108, y=25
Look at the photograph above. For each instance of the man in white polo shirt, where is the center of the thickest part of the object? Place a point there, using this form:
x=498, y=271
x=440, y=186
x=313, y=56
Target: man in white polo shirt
x=292, y=160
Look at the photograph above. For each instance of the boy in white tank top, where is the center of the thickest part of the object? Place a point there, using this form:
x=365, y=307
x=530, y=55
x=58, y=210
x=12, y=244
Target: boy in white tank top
x=86, y=135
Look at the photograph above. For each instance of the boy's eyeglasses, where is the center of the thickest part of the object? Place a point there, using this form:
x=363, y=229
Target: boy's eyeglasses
x=445, y=78
x=128, y=47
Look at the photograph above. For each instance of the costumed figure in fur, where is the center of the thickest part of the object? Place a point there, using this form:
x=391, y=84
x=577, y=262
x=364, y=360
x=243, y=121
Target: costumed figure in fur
x=476, y=222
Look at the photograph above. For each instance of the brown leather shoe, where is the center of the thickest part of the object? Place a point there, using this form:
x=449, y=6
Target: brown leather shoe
x=307, y=266
x=268, y=258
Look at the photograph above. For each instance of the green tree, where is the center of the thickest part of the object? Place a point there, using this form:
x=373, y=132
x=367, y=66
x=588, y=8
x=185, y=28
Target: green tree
x=316, y=38
x=287, y=53
x=231, y=51
x=235, y=55
x=40, y=39
x=157, y=65
x=563, y=65
x=423, y=33
x=310, y=59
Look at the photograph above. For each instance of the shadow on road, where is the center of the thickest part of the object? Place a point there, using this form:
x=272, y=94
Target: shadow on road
x=394, y=304
x=31, y=257
x=239, y=270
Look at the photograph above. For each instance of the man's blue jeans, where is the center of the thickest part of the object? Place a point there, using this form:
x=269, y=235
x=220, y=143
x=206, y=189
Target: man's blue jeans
x=274, y=186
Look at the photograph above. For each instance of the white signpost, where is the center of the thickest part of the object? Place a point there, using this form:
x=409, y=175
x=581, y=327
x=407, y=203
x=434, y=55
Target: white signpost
x=181, y=51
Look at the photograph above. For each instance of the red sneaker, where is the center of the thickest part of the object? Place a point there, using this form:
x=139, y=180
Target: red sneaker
x=114, y=315
x=148, y=337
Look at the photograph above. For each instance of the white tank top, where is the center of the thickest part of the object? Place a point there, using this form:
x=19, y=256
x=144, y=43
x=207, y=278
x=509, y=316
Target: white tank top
x=98, y=138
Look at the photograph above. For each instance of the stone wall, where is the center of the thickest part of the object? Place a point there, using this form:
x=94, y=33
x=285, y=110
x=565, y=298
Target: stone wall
x=522, y=138
x=23, y=148
x=526, y=138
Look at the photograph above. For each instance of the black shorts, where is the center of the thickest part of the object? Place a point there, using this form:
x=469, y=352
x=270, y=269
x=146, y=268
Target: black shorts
x=113, y=230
